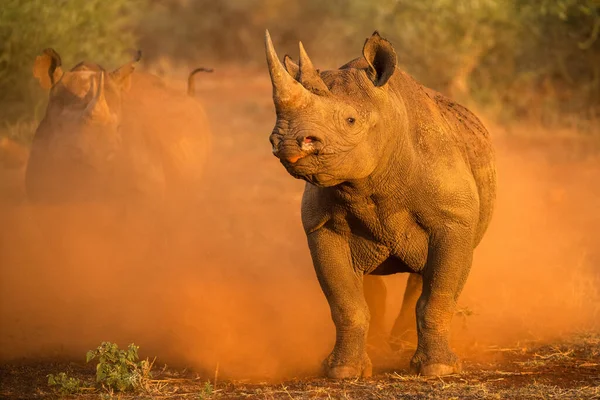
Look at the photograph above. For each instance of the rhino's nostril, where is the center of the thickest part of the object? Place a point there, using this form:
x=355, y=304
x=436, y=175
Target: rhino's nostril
x=310, y=139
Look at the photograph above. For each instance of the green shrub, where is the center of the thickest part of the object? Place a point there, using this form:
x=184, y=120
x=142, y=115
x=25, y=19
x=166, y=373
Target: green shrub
x=120, y=370
x=63, y=384
x=116, y=371
x=207, y=392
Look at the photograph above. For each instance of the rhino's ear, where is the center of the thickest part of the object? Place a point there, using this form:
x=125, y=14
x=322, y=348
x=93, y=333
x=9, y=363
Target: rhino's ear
x=381, y=57
x=46, y=68
x=122, y=75
x=290, y=66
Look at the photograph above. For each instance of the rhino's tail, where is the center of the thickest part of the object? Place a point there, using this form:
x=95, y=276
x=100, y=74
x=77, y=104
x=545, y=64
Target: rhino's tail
x=191, y=91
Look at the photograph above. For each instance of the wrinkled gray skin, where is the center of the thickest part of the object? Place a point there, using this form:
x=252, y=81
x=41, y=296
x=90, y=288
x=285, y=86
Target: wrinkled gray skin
x=118, y=136
x=399, y=179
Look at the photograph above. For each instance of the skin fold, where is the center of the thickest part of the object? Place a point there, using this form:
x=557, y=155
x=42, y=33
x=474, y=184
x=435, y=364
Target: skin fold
x=399, y=179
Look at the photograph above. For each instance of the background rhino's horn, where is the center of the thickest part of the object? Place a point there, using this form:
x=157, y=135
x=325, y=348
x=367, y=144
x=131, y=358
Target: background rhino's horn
x=286, y=89
x=97, y=108
x=309, y=77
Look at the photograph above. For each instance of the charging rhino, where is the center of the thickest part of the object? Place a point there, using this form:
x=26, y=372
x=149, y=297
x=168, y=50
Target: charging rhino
x=114, y=135
x=399, y=179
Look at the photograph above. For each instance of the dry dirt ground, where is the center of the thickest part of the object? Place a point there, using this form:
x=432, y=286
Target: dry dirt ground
x=568, y=369
x=541, y=341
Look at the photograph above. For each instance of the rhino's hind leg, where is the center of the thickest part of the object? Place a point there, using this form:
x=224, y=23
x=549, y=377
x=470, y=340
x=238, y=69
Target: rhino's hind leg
x=375, y=295
x=404, y=331
x=449, y=261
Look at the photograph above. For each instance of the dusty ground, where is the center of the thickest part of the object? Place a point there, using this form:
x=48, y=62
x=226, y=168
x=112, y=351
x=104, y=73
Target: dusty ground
x=240, y=292
x=565, y=369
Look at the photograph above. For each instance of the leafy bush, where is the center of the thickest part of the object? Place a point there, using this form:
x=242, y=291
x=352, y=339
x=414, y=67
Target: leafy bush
x=116, y=371
x=63, y=384
x=96, y=30
x=119, y=370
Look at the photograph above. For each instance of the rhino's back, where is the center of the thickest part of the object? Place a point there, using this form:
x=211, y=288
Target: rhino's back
x=173, y=124
x=443, y=123
x=477, y=148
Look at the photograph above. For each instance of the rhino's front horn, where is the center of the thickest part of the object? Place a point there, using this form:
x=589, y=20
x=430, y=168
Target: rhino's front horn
x=309, y=78
x=286, y=90
x=97, y=109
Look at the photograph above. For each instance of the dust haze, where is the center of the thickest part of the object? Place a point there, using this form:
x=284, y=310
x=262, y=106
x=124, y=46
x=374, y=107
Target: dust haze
x=233, y=285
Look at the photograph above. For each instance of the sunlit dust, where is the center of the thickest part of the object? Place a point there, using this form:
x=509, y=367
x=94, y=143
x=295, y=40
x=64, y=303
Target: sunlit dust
x=231, y=282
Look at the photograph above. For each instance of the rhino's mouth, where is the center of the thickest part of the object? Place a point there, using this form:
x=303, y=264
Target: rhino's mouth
x=299, y=159
x=309, y=168
x=304, y=159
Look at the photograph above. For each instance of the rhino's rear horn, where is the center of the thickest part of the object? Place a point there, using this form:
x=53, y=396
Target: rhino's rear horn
x=309, y=77
x=291, y=67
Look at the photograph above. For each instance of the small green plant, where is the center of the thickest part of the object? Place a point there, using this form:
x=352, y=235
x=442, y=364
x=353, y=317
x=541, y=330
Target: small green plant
x=120, y=370
x=63, y=384
x=207, y=392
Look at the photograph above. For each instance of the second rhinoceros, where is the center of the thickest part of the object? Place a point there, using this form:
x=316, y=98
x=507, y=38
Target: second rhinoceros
x=114, y=135
x=399, y=179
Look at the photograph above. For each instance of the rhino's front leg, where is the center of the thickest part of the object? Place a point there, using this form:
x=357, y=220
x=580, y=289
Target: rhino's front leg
x=343, y=288
x=448, y=264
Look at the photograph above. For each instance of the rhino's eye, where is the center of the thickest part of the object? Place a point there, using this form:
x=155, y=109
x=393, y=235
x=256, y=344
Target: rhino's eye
x=350, y=120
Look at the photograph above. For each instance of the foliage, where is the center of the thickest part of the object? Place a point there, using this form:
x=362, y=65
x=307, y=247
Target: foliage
x=63, y=384
x=116, y=371
x=206, y=392
x=535, y=60
x=538, y=59
x=93, y=30
x=195, y=28
x=120, y=370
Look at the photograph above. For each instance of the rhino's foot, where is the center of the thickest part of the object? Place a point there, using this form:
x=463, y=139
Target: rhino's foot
x=333, y=370
x=440, y=366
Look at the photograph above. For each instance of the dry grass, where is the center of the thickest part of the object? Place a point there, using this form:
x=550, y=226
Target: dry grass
x=568, y=368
